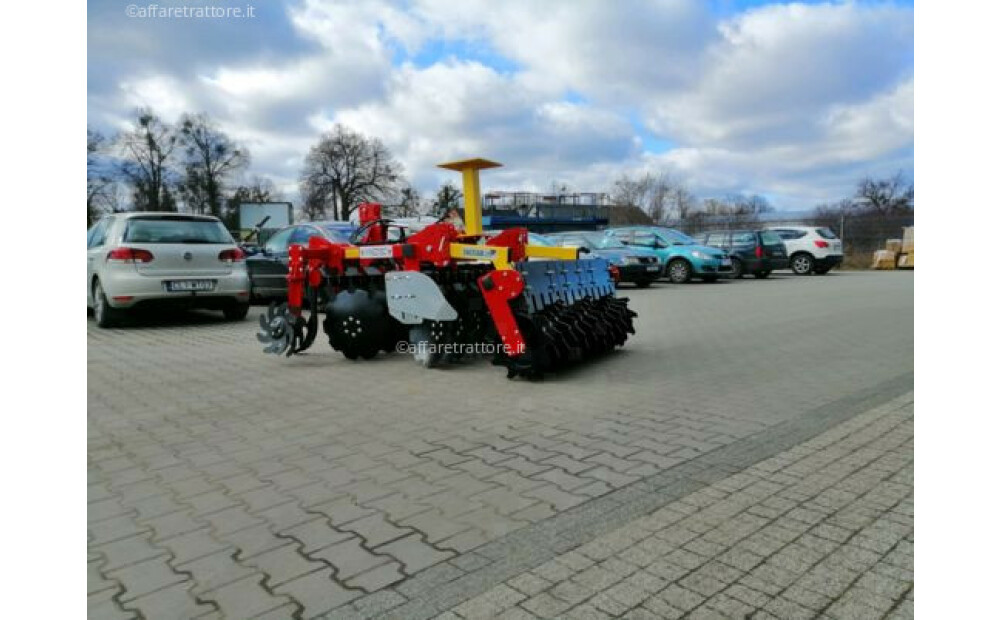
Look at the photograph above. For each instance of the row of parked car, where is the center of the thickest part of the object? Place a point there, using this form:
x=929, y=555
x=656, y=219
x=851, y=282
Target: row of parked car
x=642, y=254
x=137, y=259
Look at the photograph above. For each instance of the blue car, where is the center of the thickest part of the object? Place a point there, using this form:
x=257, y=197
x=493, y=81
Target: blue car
x=684, y=258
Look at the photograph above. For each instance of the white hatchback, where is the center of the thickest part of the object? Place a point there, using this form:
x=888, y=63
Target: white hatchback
x=811, y=249
x=150, y=258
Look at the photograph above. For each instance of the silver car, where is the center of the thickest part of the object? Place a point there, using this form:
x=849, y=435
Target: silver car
x=150, y=258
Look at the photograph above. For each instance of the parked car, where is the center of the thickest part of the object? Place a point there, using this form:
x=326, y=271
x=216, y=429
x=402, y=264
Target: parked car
x=811, y=249
x=637, y=265
x=268, y=268
x=752, y=251
x=683, y=256
x=149, y=258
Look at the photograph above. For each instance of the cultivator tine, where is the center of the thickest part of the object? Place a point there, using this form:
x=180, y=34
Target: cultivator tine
x=305, y=331
x=277, y=329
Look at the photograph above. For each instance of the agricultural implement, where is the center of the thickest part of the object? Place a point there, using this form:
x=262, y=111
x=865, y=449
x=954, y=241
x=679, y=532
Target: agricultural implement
x=443, y=294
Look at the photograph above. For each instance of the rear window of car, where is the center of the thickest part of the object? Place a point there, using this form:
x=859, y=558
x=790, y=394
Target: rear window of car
x=826, y=233
x=791, y=234
x=770, y=238
x=175, y=230
x=744, y=237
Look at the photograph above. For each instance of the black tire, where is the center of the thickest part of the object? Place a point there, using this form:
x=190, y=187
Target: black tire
x=821, y=270
x=236, y=311
x=737, y=269
x=802, y=264
x=679, y=271
x=762, y=275
x=104, y=314
x=643, y=283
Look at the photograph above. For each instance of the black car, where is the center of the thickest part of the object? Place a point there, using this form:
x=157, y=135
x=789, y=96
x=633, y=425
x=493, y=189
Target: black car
x=268, y=269
x=753, y=251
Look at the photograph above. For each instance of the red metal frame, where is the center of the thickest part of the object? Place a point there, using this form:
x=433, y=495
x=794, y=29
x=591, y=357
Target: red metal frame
x=499, y=287
x=432, y=245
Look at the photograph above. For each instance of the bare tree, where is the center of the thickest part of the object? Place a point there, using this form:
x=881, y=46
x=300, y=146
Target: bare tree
x=448, y=197
x=346, y=169
x=211, y=159
x=147, y=150
x=650, y=192
x=99, y=179
x=885, y=196
x=682, y=202
x=314, y=203
x=409, y=203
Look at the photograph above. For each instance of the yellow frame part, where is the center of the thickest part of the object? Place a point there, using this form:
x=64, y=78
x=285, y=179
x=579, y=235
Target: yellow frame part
x=558, y=253
x=470, y=190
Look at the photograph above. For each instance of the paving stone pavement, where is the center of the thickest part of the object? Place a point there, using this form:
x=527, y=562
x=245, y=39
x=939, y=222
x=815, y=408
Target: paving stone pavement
x=824, y=530
x=223, y=483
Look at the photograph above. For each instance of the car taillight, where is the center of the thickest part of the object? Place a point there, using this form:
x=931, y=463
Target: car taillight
x=233, y=255
x=616, y=274
x=759, y=251
x=821, y=244
x=129, y=255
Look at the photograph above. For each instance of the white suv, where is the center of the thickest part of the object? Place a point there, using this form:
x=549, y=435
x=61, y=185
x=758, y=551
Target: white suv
x=143, y=258
x=811, y=249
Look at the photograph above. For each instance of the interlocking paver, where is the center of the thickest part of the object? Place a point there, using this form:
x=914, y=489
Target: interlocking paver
x=776, y=563
x=245, y=598
x=316, y=592
x=188, y=463
x=413, y=553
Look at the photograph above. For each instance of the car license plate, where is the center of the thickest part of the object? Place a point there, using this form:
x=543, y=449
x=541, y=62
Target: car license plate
x=178, y=286
x=652, y=268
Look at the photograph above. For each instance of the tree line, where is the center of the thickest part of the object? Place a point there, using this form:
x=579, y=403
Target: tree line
x=190, y=166
x=876, y=210
x=195, y=167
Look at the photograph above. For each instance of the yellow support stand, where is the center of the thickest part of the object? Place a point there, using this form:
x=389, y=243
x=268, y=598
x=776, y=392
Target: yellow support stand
x=470, y=190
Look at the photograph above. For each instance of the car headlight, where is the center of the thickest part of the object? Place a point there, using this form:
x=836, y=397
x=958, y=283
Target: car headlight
x=632, y=260
x=701, y=255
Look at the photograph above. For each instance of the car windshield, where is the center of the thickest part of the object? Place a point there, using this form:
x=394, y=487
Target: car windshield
x=603, y=241
x=673, y=237
x=336, y=233
x=826, y=233
x=174, y=229
x=573, y=241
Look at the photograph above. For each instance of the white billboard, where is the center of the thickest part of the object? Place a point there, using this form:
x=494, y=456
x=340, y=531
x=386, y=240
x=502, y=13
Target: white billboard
x=252, y=213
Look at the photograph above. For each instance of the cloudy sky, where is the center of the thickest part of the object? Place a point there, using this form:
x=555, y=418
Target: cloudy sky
x=791, y=101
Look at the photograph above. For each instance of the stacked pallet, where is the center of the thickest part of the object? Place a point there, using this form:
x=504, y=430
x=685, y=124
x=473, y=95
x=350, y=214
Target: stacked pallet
x=905, y=259
x=898, y=253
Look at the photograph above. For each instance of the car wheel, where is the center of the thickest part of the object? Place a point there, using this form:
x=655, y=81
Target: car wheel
x=821, y=270
x=737, y=269
x=760, y=275
x=104, y=314
x=236, y=311
x=643, y=283
x=679, y=271
x=802, y=264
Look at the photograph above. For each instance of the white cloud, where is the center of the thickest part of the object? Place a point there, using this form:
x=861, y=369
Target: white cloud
x=793, y=101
